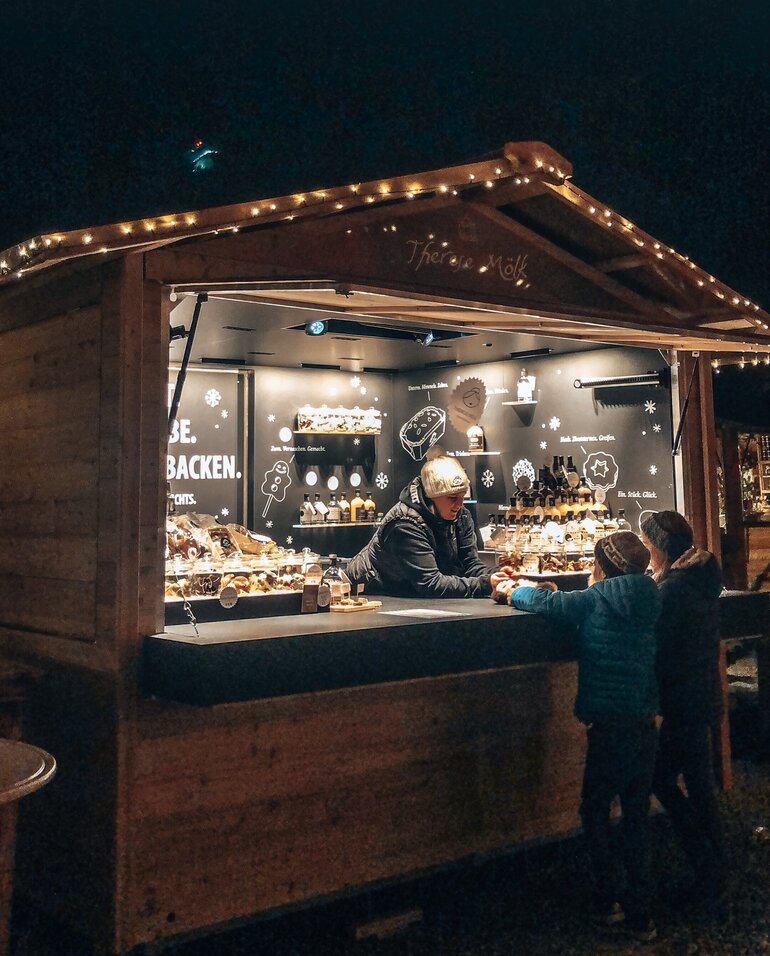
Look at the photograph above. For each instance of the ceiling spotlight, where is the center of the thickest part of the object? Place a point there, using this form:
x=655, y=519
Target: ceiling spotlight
x=316, y=327
x=424, y=338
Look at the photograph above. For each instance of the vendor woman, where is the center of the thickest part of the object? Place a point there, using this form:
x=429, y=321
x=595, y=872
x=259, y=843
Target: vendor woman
x=425, y=545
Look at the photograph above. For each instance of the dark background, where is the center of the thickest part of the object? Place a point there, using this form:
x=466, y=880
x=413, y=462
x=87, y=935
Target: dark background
x=663, y=107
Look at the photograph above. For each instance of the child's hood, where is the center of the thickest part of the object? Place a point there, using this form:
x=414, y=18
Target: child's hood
x=634, y=597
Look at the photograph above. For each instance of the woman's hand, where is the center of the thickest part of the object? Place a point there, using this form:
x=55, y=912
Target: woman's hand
x=503, y=574
x=501, y=590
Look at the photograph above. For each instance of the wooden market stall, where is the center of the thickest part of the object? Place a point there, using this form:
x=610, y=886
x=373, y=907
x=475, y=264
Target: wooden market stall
x=172, y=813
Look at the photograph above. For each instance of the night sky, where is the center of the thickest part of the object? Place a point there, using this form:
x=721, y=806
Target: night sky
x=662, y=107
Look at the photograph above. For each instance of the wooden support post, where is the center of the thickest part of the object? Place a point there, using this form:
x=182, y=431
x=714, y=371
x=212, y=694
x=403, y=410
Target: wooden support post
x=734, y=542
x=701, y=506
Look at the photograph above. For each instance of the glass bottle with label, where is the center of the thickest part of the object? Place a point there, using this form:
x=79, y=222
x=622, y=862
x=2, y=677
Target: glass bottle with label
x=623, y=524
x=333, y=516
x=486, y=531
x=573, y=478
x=370, y=508
x=307, y=511
x=336, y=579
x=475, y=438
x=583, y=491
x=357, y=507
x=344, y=508
x=320, y=509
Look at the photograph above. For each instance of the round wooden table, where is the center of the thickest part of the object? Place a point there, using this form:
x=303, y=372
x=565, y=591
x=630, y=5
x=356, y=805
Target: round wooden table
x=23, y=769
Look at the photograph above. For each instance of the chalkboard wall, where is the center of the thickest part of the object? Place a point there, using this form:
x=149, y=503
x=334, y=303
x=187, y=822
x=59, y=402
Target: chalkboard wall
x=619, y=437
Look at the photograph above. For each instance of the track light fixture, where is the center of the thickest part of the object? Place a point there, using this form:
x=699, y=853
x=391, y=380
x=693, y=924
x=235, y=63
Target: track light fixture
x=424, y=338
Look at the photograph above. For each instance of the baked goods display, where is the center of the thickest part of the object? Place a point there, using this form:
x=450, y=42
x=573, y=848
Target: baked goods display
x=549, y=564
x=203, y=557
x=422, y=431
x=339, y=420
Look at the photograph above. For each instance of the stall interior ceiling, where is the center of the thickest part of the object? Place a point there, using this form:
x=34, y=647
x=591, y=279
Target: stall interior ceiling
x=233, y=333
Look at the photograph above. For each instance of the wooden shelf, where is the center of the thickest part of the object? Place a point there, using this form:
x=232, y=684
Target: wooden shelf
x=337, y=524
x=305, y=431
x=470, y=454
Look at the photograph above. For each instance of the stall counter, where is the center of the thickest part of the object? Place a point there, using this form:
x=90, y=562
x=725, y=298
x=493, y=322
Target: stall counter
x=404, y=639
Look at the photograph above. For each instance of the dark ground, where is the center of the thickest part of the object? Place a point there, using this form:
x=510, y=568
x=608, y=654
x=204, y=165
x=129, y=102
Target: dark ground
x=527, y=904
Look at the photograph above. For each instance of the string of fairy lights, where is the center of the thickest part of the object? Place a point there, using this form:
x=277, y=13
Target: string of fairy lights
x=525, y=171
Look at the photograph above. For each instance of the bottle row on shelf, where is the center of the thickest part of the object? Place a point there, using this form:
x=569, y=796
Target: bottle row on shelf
x=338, y=510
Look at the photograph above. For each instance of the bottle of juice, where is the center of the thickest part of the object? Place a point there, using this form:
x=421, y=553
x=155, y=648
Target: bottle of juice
x=370, y=508
x=357, y=507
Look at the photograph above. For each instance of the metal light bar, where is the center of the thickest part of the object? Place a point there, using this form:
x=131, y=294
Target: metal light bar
x=619, y=381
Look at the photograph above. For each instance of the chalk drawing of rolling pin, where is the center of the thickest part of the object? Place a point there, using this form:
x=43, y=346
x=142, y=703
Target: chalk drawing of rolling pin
x=277, y=480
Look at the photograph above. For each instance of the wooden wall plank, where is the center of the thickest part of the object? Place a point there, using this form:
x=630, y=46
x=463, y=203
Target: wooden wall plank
x=281, y=802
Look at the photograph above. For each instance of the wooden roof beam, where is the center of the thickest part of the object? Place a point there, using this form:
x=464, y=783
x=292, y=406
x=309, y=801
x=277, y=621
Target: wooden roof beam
x=580, y=267
x=621, y=263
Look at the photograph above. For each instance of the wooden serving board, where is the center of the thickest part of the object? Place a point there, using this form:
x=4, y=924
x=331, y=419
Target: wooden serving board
x=346, y=608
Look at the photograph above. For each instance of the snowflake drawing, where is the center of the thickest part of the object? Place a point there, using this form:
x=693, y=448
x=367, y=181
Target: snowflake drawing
x=355, y=381
x=543, y=445
x=554, y=423
x=268, y=523
x=381, y=480
x=224, y=512
x=356, y=441
x=656, y=428
x=212, y=397
x=289, y=539
x=225, y=413
x=653, y=469
x=649, y=407
x=487, y=479
x=362, y=390
x=271, y=418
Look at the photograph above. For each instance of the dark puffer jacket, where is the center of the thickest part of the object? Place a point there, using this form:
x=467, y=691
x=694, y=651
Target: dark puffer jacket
x=688, y=644
x=615, y=619
x=414, y=552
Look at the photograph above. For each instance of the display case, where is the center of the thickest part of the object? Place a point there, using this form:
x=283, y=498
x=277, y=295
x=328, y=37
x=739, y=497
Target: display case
x=219, y=572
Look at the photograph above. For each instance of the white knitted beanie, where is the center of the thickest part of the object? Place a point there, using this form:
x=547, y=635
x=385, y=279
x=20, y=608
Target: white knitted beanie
x=443, y=476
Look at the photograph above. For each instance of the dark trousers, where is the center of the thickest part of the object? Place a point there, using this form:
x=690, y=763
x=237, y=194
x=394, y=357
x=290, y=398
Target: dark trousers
x=620, y=761
x=683, y=748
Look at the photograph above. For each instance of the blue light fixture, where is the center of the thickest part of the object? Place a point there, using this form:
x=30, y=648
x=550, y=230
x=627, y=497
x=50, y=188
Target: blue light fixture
x=316, y=327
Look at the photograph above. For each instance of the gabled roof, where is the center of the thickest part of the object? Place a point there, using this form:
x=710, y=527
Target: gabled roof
x=527, y=190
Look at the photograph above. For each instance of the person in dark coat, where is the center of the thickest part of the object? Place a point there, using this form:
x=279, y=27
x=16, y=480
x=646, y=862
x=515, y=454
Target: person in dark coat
x=687, y=668
x=425, y=545
x=617, y=700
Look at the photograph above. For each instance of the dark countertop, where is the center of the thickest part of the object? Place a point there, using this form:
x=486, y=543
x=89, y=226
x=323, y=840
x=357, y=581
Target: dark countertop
x=405, y=639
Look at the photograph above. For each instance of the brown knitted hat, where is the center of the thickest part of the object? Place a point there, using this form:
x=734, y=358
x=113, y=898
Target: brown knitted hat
x=622, y=553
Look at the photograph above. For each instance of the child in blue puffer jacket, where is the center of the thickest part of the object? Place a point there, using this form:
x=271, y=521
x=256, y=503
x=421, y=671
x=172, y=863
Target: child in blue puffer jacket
x=617, y=701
